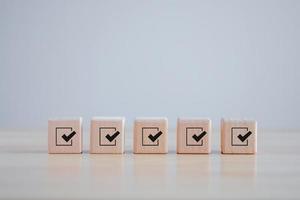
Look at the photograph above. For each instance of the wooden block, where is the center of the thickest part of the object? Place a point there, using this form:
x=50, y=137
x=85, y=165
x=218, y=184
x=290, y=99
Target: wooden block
x=150, y=135
x=238, y=136
x=194, y=136
x=65, y=135
x=107, y=135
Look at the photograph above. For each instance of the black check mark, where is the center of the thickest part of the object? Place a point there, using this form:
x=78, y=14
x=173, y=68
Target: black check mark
x=113, y=136
x=243, y=138
x=199, y=137
x=68, y=137
x=155, y=137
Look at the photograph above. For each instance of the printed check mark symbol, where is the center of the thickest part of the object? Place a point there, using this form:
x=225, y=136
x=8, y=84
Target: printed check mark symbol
x=243, y=138
x=68, y=137
x=199, y=137
x=155, y=137
x=113, y=136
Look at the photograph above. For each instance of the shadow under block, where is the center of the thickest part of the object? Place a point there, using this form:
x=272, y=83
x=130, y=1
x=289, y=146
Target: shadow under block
x=238, y=136
x=193, y=136
x=65, y=135
x=107, y=135
x=150, y=135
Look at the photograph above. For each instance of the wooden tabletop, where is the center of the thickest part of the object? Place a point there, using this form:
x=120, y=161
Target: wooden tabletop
x=28, y=171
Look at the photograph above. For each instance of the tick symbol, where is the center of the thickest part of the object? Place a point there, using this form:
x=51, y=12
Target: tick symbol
x=113, y=136
x=155, y=137
x=199, y=137
x=68, y=137
x=243, y=138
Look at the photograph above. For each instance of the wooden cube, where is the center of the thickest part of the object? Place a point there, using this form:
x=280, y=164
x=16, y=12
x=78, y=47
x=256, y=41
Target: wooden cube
x=150, y=135
x=107, y=135
x=65, y=135
x=238, y=136
x=194, y=136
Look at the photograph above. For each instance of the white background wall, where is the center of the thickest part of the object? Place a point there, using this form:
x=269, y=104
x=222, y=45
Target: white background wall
x=150, y=58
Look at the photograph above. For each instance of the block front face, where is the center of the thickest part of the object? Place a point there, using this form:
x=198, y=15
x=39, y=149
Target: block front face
x=193, y=136
x=239, y=136
x=65, y=136
x=107, y=135
x=150, y=135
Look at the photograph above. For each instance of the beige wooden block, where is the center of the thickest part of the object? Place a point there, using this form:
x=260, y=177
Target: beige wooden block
x=150, y=135
x=65, y=135
x=194, y=135
x=238, y=136
x=107, y=135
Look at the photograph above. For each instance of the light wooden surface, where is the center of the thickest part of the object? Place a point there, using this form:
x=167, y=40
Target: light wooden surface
x=27, y=171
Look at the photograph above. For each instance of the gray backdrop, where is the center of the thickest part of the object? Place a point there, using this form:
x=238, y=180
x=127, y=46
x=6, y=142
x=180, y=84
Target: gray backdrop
x=149, y=58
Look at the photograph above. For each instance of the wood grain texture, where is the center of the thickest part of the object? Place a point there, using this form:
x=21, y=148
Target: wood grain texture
x=65, y=135
x=150, y=135
x=107, y=135
x=238, y=136
x=189, y=131
x=27, y=171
